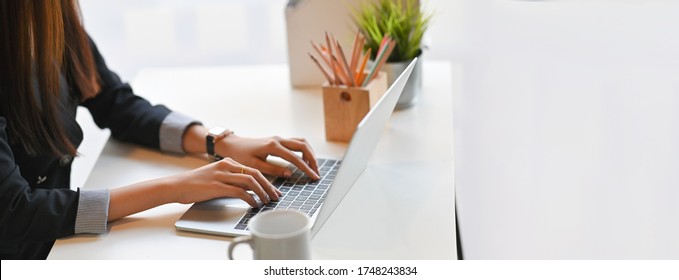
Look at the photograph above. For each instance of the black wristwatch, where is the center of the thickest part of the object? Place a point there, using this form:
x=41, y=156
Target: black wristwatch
x=213, y=135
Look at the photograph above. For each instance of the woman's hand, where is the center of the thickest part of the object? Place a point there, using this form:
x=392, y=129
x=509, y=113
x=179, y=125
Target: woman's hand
x=225, y=178
x=254, y=151
x=233, y=176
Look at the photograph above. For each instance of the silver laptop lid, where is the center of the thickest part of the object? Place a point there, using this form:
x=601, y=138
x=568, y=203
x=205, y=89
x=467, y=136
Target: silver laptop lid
x=361, y=147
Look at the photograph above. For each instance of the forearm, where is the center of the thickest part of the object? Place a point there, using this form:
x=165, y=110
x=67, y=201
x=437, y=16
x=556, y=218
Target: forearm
x=146, y=195
x=193, y=140
x=139, y=197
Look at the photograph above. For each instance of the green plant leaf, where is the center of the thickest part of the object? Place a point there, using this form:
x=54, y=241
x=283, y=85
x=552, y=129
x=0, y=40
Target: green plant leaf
x=403, y=20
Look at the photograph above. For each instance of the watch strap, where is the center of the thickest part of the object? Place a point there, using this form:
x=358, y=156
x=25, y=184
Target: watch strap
x=214, y=135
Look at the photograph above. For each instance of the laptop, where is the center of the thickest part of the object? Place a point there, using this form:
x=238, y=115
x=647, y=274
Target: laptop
x=229, y=216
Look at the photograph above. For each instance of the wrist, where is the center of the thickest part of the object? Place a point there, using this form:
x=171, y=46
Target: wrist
x=193, y=141
x=224, y=147
x=140, y=197
x=214, y=136
x=167, y=190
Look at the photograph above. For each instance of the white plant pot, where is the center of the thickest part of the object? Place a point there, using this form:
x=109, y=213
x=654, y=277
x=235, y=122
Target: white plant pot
x=413, y=87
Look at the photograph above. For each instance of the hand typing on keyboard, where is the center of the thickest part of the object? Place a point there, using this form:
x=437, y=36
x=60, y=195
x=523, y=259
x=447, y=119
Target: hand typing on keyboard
x=298, y=192
x=253, y=152
x=243, y=166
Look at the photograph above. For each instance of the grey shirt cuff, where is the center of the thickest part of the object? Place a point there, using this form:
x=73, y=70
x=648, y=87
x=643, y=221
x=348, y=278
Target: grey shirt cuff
x=92, y=211
x=172, y=131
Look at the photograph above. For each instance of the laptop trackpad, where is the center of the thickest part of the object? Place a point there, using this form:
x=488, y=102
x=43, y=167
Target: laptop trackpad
x=217, y=216
x=220, y=202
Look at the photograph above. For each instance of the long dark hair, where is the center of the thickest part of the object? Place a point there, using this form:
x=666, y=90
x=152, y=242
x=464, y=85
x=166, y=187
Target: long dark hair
x=39, y=41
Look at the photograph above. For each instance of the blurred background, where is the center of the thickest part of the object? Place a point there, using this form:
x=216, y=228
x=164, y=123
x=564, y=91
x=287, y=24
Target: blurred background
x=565, y=111
x=133, y=34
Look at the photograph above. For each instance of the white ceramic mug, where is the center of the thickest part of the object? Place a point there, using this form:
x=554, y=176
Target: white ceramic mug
x=277, y=235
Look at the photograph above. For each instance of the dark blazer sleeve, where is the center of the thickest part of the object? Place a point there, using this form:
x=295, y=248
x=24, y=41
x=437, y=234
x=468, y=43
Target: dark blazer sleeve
x=39, y=215
x=130, y=117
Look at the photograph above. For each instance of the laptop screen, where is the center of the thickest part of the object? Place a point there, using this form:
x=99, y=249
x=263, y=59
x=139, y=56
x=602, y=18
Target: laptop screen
x=360, y=148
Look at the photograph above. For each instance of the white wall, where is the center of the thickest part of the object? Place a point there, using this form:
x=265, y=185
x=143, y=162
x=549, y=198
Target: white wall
x=567, y=131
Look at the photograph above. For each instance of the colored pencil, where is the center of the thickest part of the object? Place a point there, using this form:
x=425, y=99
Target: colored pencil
x=364, y=62
x=374, y=67
x=320, y=52
x=392, y=45
x=329, y=40
x=385, y=39
x=338, y=69
x=325, y=72
x=349, y=73
x=355, y=51
x=333, y=67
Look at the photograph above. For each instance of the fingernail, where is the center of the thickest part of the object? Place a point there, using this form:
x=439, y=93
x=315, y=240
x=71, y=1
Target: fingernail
x=287, y=173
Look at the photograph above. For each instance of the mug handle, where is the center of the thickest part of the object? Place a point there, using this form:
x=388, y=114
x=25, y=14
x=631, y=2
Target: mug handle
x=236, y=241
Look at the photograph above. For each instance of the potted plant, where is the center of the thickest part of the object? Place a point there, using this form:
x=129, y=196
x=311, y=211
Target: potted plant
x=405, y=23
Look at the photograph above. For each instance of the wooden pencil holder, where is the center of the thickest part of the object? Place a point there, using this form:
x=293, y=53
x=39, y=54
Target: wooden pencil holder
x=344, y=107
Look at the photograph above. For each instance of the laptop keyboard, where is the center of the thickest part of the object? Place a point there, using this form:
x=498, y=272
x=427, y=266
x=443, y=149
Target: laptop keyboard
x=299, y=192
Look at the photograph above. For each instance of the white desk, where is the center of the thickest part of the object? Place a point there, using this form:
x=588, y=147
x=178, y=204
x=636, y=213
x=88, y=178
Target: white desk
x=408, y=184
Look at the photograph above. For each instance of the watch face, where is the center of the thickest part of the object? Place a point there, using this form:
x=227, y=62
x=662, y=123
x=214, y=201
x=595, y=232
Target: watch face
x=216, y=131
